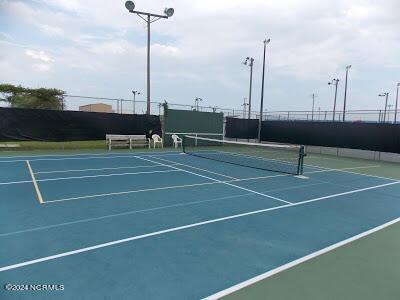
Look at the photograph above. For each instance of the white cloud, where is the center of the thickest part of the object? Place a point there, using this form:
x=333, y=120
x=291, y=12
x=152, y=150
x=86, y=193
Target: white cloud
x=51, y=30
x=39, y=55
x=41, y=67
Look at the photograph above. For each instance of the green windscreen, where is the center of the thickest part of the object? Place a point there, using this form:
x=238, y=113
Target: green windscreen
x=184, y=122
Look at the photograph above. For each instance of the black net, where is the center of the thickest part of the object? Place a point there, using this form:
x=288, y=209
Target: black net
x=271, y=157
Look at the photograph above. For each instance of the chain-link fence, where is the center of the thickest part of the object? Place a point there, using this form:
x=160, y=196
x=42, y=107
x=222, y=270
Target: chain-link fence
x=133, y=106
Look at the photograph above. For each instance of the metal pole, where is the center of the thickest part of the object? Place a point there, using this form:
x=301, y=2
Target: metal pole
x=262, y=93
x=134, y=102
x=384, y=116
x=345, y=93
x=251, y=83
x=148, y=65
x=397, y=100
x=313, y=103
x=335, y=82
x=334, y=104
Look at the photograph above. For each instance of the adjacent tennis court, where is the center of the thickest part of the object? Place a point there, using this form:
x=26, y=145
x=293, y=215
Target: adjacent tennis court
x=171, y=225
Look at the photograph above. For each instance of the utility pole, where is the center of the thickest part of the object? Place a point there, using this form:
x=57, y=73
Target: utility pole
x=334, y=82
x=250, y=61
x=149, y=18
x=134, y=99
x=262, y=92
x=313, y=105
x=196, y=102
x=345, y=93
x=386, y=95
x=244, y=107
x=397, y=100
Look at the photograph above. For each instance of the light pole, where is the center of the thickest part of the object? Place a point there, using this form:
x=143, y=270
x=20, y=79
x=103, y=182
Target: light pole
x=196, y=102
x=249, y=62
x=334, y=82
x=262, y=92
x=386, y=95
x=134, y=99
x=397, y=100
x=313, y=105
x=149, y=18
x=244, y=108
x=345, y=93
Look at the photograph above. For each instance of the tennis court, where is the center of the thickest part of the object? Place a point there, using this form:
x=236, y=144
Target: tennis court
x=168, y=225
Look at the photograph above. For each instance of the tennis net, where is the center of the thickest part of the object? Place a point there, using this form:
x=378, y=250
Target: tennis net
x=281, y=158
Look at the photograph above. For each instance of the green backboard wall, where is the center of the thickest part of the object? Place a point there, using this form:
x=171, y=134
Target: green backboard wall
x=190, y=122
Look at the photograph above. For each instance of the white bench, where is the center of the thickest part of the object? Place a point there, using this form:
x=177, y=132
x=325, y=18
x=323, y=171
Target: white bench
x=126, y=140
x=9, y=146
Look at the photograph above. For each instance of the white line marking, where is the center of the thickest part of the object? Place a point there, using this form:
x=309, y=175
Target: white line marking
x=116, y=242
x=15, y=182
x=38, y=193
x=296, y=262
x=149, y=209
x=176, y=187
x=130, y=192
x=105, y=175
x=345, y=170
x=181, y=164
x=223, y=182
x=98, y=169
x=90, y=156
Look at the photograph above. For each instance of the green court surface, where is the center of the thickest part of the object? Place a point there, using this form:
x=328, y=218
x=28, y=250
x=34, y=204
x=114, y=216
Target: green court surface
x=167, y=225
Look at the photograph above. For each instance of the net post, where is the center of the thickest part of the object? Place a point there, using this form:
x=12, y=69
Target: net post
x=183, y=143
x=300, y=165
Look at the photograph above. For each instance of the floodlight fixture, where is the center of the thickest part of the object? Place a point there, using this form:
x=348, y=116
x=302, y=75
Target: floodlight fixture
x=130, y=5
x=169, y=12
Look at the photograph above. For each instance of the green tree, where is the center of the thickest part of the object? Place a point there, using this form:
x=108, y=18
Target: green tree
x=41, y=98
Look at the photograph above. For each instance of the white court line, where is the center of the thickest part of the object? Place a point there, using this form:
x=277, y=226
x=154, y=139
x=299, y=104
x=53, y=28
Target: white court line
x=74, y=156
x=119, y=215
x=175, y=187
x=105, y=175
x=181, y=164
x=296, y=262
x=38, y=193
x=108, y=153
x=98, y=169
x=213, y=179
x=131, y=212
x=130, y=192
x=346, y=170
x=156, y=233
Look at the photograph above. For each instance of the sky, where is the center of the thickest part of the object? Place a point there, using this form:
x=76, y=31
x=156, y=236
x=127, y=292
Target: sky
x=96, y=48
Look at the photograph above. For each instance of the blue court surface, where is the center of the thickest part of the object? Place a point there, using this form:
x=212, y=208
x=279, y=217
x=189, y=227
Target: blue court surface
x=169, y=225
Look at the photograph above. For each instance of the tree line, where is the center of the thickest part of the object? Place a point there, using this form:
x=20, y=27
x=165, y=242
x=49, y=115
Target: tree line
x=23, y=97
